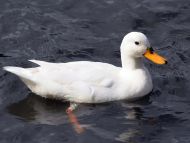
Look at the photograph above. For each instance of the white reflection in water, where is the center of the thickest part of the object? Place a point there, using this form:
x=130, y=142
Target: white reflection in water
x=37, y=110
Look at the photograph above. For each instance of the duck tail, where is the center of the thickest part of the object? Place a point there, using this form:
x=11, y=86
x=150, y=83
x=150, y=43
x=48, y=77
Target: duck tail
x=24, y=74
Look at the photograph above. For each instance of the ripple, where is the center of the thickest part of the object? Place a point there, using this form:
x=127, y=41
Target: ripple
x=68, y=30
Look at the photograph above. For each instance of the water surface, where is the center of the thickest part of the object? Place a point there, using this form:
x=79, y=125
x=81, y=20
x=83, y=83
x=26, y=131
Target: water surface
x=70, y=30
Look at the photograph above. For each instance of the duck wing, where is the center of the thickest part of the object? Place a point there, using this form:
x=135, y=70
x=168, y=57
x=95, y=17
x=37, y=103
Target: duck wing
x=81, y=81
x=83, y=71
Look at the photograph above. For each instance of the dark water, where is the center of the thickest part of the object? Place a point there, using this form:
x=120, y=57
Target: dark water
x=68, y=30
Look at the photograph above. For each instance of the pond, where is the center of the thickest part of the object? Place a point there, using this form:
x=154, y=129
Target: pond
x=75, y=30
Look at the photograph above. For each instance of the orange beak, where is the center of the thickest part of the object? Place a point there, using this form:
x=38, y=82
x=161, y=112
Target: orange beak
x=151, y=55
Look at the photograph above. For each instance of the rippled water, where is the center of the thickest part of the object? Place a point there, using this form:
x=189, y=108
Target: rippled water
x=68, y=30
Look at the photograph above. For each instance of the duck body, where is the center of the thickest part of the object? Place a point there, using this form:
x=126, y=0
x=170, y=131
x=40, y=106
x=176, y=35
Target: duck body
x=85, y=82
x=94, y=82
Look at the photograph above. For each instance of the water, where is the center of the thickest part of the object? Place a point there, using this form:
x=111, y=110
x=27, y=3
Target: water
x=68, y=30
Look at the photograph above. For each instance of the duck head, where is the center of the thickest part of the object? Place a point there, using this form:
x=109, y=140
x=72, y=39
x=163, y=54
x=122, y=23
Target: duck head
x=135, y=45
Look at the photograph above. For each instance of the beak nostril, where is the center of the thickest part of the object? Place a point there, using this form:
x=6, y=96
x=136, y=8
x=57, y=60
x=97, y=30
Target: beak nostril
x=166, y=62
x=151, y=50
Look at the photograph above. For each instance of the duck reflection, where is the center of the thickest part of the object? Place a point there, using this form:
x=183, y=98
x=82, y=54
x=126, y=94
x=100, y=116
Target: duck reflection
x=38, y=110
x=134, y=109
x=133, y=115
x=52, y=112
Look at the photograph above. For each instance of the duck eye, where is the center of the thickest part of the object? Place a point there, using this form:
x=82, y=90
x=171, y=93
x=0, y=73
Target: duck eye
x=137, y=43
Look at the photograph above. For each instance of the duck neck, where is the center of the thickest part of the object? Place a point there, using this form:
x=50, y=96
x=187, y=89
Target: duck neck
x=131, y=62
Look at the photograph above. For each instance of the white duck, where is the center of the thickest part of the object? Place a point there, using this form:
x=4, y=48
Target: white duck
x=94, y=82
